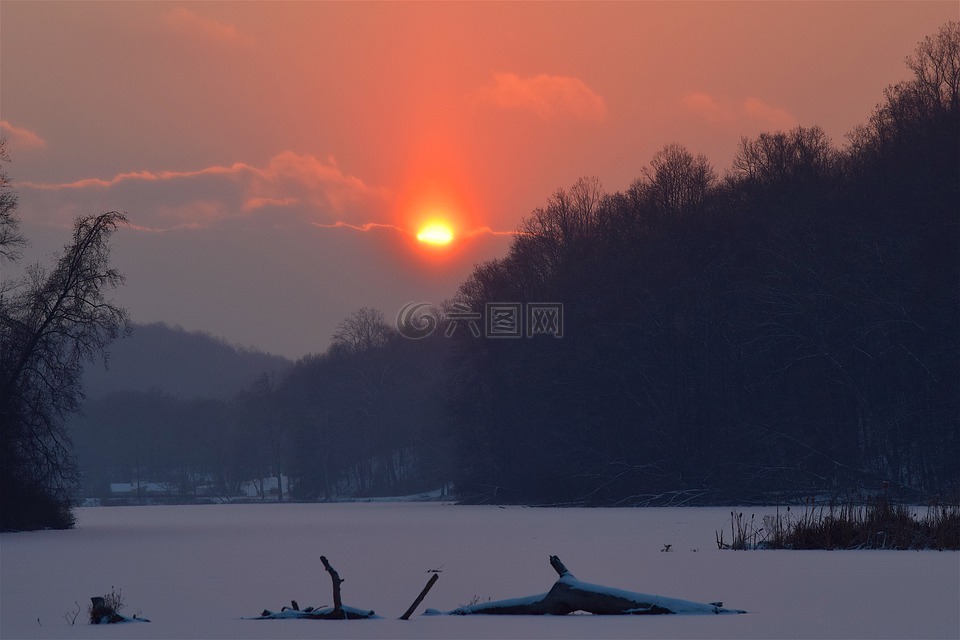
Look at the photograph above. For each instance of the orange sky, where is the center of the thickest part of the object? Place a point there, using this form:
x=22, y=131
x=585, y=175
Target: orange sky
x=275, y=159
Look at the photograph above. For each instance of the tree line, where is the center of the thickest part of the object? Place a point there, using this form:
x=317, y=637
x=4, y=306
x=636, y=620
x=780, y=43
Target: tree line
x=355, y=420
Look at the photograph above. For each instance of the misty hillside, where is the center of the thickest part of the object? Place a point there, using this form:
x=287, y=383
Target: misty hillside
x=178, y=362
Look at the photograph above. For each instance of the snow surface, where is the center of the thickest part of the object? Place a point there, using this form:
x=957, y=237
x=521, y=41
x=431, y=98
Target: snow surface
x=197, y=571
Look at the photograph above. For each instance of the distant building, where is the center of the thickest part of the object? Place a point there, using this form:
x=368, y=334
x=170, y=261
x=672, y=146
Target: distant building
x=265, y=487
x=201, y=486
x=124, y=489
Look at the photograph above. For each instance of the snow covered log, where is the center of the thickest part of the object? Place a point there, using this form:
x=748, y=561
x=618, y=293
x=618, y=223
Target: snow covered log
x=337, y=612
x=569, y=594
x=325, y=613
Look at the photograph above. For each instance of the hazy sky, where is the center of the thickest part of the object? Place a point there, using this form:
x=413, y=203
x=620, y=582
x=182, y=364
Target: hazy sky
x=276, y=159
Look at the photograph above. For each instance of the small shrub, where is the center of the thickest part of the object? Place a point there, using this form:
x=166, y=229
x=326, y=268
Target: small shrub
x=71, y=616
x=475, y=600
x=106, y=609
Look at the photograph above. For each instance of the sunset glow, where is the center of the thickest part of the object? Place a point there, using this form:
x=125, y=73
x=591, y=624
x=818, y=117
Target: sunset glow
x=436, y=233
x=339, y=155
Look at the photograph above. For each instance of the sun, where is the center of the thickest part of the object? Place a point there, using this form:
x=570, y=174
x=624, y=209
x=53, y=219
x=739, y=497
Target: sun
x=435, y=233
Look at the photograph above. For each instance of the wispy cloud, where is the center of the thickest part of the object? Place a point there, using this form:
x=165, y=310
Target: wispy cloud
x=20, y=137
x=135, y=176
x=717, y=110
x=291, y=185
x=258, y=202
x=192, y=25
x=294, y=179
x=378, y=226
x=776, y=117
x=547, y=96
x=145, y=229
x=707, y=107
x=487, y=231
x=367, y=226
x=291, y=188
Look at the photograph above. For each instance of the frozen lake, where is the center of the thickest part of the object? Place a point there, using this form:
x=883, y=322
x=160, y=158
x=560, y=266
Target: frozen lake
x=196, y=571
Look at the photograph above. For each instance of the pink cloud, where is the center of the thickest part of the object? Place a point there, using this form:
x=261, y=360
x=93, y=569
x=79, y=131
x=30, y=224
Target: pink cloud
x=487, y=231
x=294, y=178
x=258, y=203
x=751, y=110
x=775, y=117
x=290, y=184
x=290, y=188
x=192, y=25
x=547, y=96
x=145, y=229
x=367, y=226
x=136, y=176
x=20, y=138
x=377, y=226
x=467, y=234
x=706, y=106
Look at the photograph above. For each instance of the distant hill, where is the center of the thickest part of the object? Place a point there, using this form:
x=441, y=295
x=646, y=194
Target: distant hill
x=182, y=363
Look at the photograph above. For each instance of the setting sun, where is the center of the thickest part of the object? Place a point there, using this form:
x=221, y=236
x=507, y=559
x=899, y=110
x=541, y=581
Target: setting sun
x=436, y=233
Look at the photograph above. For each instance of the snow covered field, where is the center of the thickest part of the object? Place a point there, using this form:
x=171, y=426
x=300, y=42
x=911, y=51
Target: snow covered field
x=196, y=571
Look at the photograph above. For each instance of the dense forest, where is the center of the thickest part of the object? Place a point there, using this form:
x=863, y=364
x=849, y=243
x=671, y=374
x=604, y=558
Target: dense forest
x=787, y=328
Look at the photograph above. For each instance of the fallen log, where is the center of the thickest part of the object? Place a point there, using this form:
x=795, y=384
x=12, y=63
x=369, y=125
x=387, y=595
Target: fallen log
x=569, y=594
x=326, y=613
x=337, y=612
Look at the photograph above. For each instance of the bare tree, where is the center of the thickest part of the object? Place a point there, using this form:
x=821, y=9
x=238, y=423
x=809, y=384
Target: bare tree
x=52, y=324
x=676, y=182
x=559, y=232
x=364, y=329
x=774, y=158
x=11, y=240
x=936, y=68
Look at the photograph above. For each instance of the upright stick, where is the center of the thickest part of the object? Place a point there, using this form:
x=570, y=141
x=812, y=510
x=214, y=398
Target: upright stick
x=423, y=594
